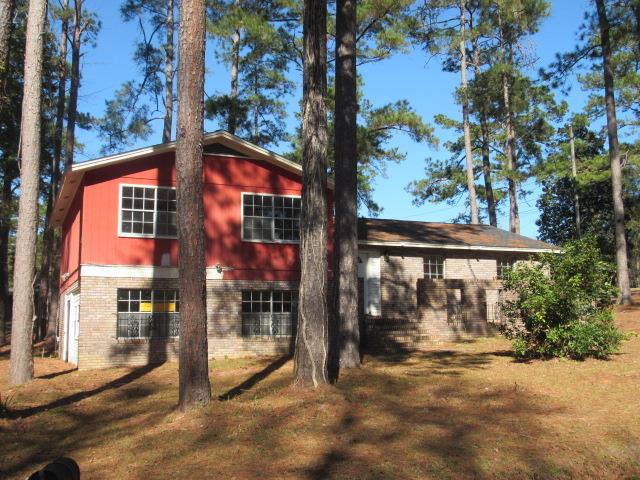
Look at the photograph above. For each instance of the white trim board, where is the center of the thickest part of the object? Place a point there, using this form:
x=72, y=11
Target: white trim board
x=445, y=246
x=139, y=271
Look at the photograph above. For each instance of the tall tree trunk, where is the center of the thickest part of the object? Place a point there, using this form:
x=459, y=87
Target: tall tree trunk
x=574, y=175
x=235, y=65
x=54, y=277
x=49, y=269
x=486, y=140
x=510, y=147
x=6, y=16
x=75, y=84
x=21, y=364
x=346, y=188
x=168, y=75
x=311, y=354
x=471, y=185
x=614, y=156
x=5, y=222
x=514, y=216
x=195, y=388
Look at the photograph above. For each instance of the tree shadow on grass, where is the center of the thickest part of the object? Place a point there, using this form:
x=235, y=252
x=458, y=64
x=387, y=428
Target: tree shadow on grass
x=254, y=379
x=451, y=431
x=49, y=376
x=133, y=375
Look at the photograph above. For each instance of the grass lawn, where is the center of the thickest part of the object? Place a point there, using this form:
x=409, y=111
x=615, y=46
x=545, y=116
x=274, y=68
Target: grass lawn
x=463, y=410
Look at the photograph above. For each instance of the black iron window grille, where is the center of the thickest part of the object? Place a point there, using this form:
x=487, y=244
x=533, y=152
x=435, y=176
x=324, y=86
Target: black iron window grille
x=269, y=313
x=148, y=313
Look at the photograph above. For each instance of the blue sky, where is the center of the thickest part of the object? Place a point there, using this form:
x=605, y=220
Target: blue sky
x=411, y=76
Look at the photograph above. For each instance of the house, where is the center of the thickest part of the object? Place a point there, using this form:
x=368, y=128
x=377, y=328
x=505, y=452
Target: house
x=119, y=294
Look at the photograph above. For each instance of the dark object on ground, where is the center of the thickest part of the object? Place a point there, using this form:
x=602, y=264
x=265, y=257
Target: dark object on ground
x=60, y=469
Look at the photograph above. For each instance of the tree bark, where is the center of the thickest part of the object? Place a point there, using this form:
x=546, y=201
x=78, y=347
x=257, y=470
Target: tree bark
x=54, y=271
x=235, y=64
x=168, y=75
x=514, y=216
x=486, y=139
x=21, y=362
x=75, y=84
x=6, y=27
x=194, y=385
x=311, y=353
x=6, y=16
x=346, y=188
x=48, y=268
x=614, y=156
x=510, y=147
x=4, y=257
x=471, y=186
x=574, y=175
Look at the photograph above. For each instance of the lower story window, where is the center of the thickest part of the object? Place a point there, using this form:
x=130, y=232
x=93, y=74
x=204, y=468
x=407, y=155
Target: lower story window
x=149, y=313
x=269, y=313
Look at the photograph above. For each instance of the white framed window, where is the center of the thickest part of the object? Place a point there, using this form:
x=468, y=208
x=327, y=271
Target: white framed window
x=146, y=313
x=269, y=313
x=270, y=218
x=433, y=266
x=503, y=265
x=147, y=211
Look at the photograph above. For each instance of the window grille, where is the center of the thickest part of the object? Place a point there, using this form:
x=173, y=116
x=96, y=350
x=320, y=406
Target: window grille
x=270, y=218
x=148, y=313
x=148, y=211
x=503, y=266
x=433, y=267
x=268, y=313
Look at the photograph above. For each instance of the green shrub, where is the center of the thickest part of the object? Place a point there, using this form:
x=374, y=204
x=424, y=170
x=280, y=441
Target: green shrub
x=562, y=305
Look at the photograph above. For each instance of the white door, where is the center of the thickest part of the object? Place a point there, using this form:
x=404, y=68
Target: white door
x=369, y=271
x=72, y=330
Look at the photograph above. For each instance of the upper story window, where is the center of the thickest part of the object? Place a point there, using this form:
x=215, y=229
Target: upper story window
x=271, y=218
x=433, y=266
x=147, y=211
x=503, y=266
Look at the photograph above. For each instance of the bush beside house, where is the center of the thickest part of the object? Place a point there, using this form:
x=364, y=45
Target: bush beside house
x=562, y=305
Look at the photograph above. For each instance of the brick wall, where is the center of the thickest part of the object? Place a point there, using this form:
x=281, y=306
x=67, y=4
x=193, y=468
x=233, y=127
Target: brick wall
x=99, y=346
x=414, y=311
x=418, y=311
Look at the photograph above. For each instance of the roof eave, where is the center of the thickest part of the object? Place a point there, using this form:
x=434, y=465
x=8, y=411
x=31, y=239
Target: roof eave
x=445, y=246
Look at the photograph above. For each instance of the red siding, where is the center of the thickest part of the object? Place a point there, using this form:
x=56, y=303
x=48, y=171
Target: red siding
x=225, y=178
x=70, y=248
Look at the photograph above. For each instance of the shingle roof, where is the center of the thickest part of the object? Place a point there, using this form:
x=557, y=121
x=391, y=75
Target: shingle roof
x=446, y=235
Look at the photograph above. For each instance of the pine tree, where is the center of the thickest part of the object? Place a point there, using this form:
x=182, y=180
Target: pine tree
x=471, y=188
x=254, y=38
x=21, y=360
x=49, y=268
x=312, y=342
x=194, y=385
x=138, y=103
x=614, y=155
x=6, y=14
x=345, y=285
x=85, y=28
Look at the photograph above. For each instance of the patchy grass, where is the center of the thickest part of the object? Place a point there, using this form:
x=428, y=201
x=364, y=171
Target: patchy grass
x=458, y=411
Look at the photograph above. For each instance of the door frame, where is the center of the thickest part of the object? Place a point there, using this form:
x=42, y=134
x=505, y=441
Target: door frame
x=71, y=302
